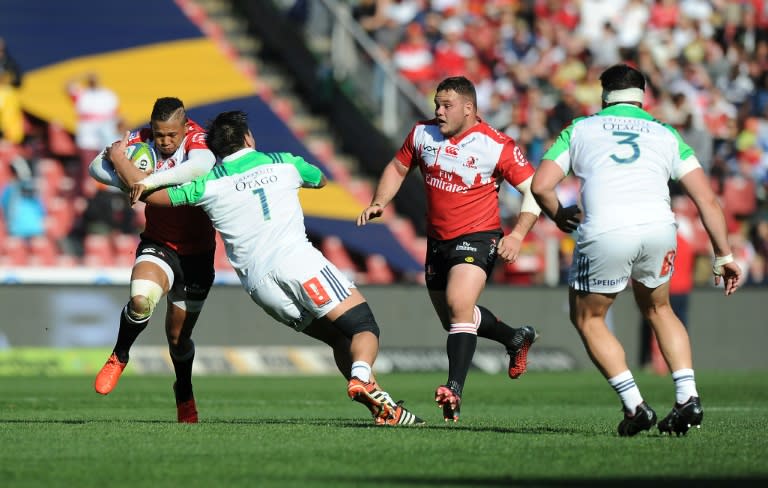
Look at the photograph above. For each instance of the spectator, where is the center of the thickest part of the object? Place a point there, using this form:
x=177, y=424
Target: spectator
x=98, y=120
x=22, y=207
x=413, y=57
x=452, y=52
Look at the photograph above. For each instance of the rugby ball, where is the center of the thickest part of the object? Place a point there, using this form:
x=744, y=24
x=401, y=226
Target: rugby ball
x=142, y=155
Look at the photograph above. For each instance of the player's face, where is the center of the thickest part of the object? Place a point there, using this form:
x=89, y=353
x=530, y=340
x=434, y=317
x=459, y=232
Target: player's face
x=168, y=135
x=454, y=113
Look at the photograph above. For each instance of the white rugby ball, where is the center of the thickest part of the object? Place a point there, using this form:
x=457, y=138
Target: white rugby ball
x=142, y=155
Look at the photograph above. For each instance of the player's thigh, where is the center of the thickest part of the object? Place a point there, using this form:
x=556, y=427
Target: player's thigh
x=465, y=283
x=303, y=287
x=654, y=264
x=155, y=263
x=194, y=278
x=603, y=264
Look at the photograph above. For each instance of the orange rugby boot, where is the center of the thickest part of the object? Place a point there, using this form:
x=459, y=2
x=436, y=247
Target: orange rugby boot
x=109, y=375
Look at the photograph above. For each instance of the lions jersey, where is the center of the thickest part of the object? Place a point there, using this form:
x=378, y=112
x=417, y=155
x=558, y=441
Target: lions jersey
x=185, y=230
x=462, y=175
x=624, y=159
x=252, y=200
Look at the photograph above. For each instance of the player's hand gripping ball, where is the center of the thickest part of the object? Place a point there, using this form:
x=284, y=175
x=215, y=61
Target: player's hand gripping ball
x=142, y=155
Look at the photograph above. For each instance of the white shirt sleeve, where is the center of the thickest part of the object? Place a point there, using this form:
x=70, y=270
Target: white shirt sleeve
x=685, y=167
x=198, y=163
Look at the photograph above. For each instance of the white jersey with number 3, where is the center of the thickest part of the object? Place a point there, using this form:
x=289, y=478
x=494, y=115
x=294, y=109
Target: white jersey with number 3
x=624, y=159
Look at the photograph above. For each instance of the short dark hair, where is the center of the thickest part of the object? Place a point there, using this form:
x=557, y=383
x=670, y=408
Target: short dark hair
x=460, y=85
x=167, y=107
x=226, y=133
x=621, y=76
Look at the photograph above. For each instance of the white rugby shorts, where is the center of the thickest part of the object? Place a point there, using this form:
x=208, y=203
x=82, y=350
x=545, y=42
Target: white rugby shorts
x=303, y=287
x=605, y=263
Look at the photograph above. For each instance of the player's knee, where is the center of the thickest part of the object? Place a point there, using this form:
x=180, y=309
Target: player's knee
x=356, y=320
x=145, y=295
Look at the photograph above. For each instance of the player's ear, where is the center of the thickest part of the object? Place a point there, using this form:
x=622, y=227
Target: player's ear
x=250, y=141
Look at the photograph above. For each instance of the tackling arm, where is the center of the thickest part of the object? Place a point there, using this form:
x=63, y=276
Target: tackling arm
x=198, y=163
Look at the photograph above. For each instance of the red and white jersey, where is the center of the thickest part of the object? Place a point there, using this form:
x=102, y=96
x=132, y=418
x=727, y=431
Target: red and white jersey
x=462, y=175
x=187, y=230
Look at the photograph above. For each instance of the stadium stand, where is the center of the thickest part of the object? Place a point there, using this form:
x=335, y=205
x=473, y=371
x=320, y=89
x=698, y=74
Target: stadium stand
x=707, y=70
x=125, y=52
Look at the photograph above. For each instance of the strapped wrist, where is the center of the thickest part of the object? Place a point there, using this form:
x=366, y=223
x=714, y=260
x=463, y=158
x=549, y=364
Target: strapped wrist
x=719, y=262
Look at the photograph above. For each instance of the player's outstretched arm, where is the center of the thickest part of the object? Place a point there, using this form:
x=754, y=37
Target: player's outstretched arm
x=389, y=184
x=696, y=184
x=198, y=163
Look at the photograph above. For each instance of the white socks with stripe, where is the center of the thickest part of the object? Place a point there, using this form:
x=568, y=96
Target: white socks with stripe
x=624, y=384
x=685, y=385
x=362, y=370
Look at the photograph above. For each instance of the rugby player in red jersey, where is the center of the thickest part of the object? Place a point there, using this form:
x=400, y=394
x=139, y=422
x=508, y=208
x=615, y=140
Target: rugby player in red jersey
x=175, y=256
x=463, y=160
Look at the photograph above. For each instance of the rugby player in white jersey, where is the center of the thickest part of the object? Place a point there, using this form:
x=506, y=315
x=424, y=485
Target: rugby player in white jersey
x=175, y=256
x=463, y=161
x=624, y=159
x=252, y=200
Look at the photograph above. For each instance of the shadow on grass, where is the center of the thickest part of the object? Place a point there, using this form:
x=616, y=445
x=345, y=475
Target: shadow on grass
x=335, y=422
x=510, y=481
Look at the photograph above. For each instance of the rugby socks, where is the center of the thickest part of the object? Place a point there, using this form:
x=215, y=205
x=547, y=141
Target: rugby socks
x=127, y=334
x=182, y=365
x=624, y=384
x=490, y=327
x=460, y=346
x=362, y=371
x=685, y=385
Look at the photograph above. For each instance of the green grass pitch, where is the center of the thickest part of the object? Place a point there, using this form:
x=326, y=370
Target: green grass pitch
x=545, y=429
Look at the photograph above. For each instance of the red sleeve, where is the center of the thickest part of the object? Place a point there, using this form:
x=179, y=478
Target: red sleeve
x=513, y=164
x=407, y=152
x=195, y=137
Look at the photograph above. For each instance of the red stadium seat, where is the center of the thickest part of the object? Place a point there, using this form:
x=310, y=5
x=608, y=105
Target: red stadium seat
x=44, y=252
x=335, y=252
x=97, y=251
x=125, y=249
x=60, y=218
x=378, y=271
x=60, y=142
x=739, y=197
x=14, y=252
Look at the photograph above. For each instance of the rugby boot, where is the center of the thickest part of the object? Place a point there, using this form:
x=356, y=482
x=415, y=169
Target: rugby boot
x=450, y=401
x=109, y=375
x=643, y=419
x=518, y=354
x=683, y=417
x=186, y=409
x=401, y=416
x=367, y=393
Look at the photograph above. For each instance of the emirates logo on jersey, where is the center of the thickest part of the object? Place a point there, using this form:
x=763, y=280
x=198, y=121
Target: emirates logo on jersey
x=452, y=150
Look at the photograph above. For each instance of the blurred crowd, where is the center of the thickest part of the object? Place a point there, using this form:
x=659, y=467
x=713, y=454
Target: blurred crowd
x=536, y=63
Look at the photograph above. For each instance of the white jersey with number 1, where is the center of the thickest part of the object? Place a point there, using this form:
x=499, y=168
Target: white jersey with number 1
x=624, y=159
x=252, y=200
